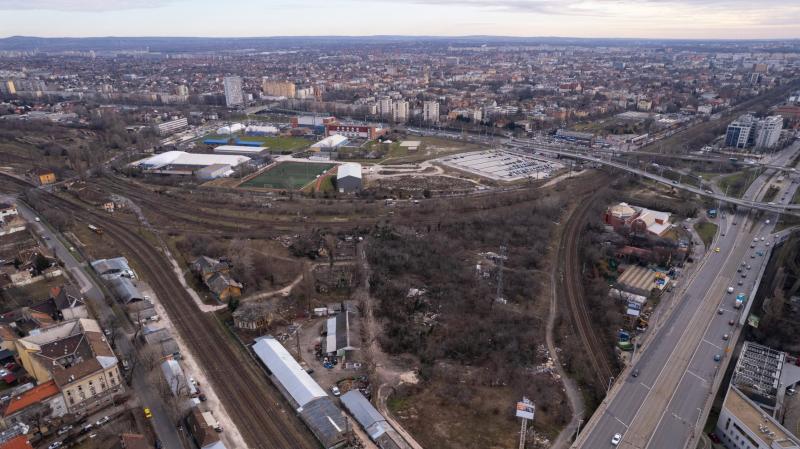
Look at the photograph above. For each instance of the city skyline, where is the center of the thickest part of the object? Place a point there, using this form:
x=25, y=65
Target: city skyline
x=675, y=19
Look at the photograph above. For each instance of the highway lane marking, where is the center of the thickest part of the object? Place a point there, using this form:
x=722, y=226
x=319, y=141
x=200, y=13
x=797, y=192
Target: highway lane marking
x=712, y=344
x=642, y=384
x=719, y=278
x=697, y=376
x=620, y=421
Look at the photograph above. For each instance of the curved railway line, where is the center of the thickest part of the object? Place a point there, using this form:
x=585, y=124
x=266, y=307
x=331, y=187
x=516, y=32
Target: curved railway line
x=252, y=402
x=572, y=288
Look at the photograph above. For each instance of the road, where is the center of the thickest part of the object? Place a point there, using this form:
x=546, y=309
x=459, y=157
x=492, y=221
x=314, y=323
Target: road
x=741, y=202
x=146, y=395
x=661, y=407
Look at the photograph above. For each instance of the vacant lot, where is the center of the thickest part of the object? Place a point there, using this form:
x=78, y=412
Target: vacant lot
x=288, y=175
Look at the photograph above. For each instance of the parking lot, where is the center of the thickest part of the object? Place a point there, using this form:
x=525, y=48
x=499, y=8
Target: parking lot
x=501, y=165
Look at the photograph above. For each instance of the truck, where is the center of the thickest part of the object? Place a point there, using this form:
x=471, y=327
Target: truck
x=740, y=299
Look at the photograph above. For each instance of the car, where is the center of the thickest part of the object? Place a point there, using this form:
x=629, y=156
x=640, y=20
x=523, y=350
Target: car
x=158, y=444
x=734, y=223
x=749, y=267
x=714, y=438
x=763, y=238
x=725, y=337
x=147, y=413
x=616, y=439
x=791, y=391
x=717, y=357
x=64, y=430
x=744, y=275
x=720, y=311
x=54, y=445
x=755, y=239
x=740, y=282
x=730, y=289
x=335, y=391
x=37, y=219
x=635, y=373
x=739, y=270
x=102, y=421
x=716, y=250
x=767, y=222
x=767, y=243
x=202, y=397
x=731, y=322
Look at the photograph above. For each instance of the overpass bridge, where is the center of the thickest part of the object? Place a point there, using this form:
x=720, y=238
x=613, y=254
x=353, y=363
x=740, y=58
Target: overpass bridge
x=785, y=209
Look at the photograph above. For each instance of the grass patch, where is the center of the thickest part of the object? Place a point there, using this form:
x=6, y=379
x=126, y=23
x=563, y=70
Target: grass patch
x=771, y=193
x=277, y=143
x=707, y=231
x=737, y=183
x=288, y=175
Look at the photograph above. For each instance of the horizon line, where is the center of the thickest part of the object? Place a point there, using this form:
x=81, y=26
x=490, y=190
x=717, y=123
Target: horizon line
x=411, y=36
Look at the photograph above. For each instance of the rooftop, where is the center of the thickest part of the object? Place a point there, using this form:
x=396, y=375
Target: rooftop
x=759, y=369
x=33, y=396
x=292, y=377
x=758, y=422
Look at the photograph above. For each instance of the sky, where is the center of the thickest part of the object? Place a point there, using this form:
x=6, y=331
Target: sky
x=689, y=19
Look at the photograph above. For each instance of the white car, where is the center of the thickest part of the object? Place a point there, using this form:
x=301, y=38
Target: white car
x=616, y=439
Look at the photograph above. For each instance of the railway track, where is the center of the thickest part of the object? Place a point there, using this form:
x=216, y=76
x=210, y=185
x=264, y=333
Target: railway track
x=253, y=403
x=572, y=288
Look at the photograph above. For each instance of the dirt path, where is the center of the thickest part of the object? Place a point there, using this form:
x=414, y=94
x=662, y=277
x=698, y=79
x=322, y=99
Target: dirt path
x=386, y=374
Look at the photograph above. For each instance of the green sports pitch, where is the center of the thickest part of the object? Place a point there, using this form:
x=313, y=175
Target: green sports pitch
x=288, y=175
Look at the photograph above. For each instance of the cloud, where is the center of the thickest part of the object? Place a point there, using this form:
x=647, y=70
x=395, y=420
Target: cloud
x=82, y=5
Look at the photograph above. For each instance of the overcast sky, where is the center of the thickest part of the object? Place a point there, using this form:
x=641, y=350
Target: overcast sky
x=720, y=19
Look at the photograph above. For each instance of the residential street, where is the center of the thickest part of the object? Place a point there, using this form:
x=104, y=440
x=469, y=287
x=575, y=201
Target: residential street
x=143, y=393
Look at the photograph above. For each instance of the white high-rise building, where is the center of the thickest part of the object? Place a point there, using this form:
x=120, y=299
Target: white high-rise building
x=768, y=131
x=233, y=91
x=430, y=111
x=400, y=111
x=385, y=106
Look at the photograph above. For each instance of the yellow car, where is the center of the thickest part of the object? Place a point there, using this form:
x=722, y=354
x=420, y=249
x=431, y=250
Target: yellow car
x=716, y=250
x=147, y=413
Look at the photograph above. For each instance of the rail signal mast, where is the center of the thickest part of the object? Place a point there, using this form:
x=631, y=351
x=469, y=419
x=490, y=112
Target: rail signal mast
x=525, y=411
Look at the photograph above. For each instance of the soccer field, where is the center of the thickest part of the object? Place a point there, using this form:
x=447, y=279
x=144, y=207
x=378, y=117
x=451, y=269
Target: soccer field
x=288, y=175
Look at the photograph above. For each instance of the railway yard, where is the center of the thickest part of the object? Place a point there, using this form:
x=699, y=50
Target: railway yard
x=481, y=220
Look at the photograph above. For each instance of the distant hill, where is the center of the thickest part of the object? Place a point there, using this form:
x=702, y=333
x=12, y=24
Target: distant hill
x=197, y=44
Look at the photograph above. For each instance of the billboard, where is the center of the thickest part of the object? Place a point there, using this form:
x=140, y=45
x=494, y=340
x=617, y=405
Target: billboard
x=525, y=410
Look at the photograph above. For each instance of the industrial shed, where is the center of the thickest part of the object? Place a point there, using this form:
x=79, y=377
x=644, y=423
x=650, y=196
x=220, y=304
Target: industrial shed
x=110, y=268
x=125, y=290
x=183, y=163
x=348, y=177
x=334, y=141
x=300, y=387
x=315, y=407
x=337, y=340
x=326, y=421
x=376, y=426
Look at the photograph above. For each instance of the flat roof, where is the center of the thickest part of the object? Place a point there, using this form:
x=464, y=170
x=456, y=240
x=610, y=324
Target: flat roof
x=190, y=159
x=292, y=377
x=757, y=421
x=759, y=368
x=239, y=149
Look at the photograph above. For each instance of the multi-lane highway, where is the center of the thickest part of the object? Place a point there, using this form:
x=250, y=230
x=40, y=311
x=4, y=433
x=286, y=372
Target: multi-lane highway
x=662, y=406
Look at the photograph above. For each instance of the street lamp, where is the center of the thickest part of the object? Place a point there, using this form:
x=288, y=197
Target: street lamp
x=610, y=381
